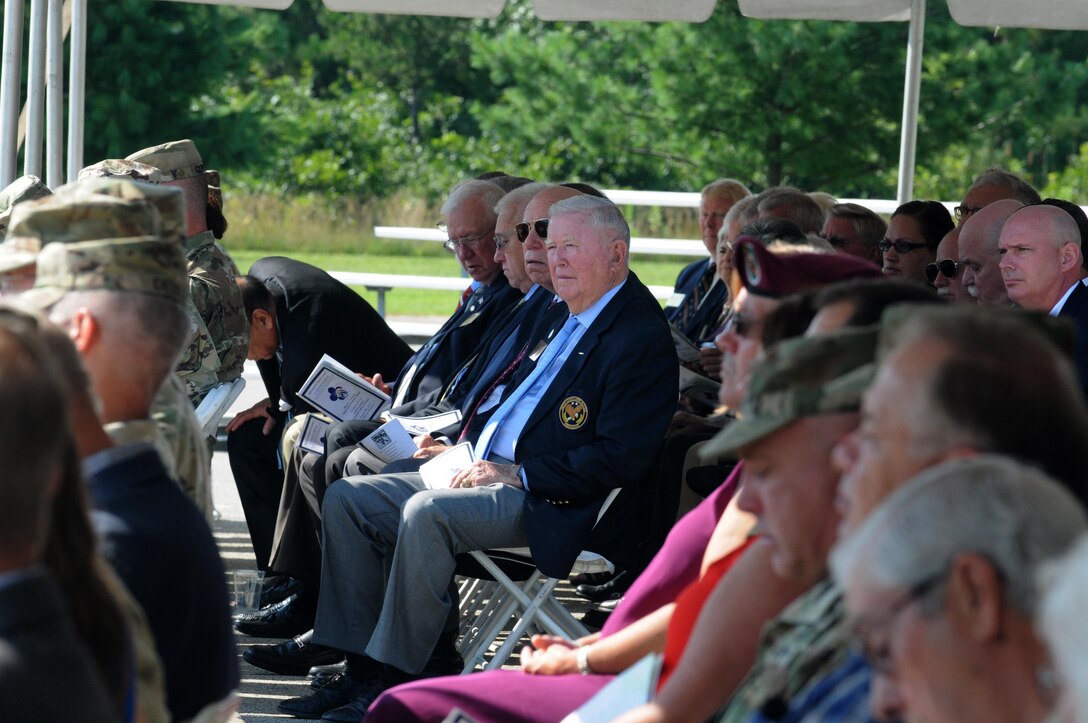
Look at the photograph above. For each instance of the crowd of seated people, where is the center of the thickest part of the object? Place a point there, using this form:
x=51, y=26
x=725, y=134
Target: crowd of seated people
x=865, y=500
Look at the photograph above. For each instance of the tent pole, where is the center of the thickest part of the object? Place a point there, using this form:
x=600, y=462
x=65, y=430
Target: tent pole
x=54, y=97
x=911, y=87
x=35, y=91
x=77, y=67
x=11, y=79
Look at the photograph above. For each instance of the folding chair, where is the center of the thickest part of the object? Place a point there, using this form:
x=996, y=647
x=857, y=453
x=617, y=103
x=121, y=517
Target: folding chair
x=486, y=606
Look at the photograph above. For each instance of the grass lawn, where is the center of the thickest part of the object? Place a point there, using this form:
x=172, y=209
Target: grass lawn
x=653, y=270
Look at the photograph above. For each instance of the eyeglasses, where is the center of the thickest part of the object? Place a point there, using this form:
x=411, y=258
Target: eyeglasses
x=947, y=267
x=879, y=657
x=964, y=212
x=900, y=246
x=742, y=325
x=540, y=226
x=501, y=241
x=472, y=241
x=838, y=242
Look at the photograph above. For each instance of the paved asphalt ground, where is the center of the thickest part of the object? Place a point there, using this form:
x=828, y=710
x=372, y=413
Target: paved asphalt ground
x=260, y=690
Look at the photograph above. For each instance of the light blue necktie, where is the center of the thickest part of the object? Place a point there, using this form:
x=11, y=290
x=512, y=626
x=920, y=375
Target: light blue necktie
x=555, y=347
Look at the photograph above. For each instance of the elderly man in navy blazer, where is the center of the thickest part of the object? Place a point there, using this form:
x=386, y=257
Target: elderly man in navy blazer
x=584, y=413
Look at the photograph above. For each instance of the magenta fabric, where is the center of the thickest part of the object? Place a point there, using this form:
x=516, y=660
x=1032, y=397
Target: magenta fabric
x=500, y=696
x=493, y=696
x=677, y=563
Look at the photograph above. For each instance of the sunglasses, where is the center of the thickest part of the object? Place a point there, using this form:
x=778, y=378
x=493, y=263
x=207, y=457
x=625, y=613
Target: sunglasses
x=900, y=246
x=742, y=325
x=540, y=226
x=964, y=212
x=947, y=267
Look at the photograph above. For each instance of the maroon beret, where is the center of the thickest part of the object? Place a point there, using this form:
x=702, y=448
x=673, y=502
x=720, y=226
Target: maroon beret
x=768, y=274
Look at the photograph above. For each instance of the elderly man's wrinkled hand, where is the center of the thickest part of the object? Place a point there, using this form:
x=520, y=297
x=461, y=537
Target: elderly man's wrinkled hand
x=482, y=473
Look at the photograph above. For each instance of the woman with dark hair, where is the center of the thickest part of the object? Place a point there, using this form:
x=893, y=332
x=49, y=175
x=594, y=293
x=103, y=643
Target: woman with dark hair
x=911, y=241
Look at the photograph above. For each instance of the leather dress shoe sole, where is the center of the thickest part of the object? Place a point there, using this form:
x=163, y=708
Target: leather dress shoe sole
x=294, y=657
x=339, y=691
x=611, y=590
x=287, y=618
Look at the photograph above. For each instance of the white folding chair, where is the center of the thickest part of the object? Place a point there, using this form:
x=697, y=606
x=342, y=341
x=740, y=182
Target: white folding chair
x=486, y=607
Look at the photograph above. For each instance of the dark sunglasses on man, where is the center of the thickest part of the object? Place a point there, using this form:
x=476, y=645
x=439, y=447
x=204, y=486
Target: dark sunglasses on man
x=540, y=226
x=947, y=267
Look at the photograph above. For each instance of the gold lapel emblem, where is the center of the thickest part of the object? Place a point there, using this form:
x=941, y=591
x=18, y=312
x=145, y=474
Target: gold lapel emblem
x=573, y=413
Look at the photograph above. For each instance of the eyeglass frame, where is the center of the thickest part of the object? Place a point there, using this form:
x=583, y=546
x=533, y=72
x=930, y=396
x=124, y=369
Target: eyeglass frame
x=741, y=325
x=900, y=246
x=470, y=241
x=879, y=660
x=932, y=269
x=962, y=213
x=540, y=226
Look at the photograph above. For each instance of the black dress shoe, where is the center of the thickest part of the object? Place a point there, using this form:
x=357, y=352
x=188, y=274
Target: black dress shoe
x=287, y=618
x=355, y=710
x=324, y=672
x=611, y=590
x=590, y=578
x=280, y=588
x=294, y=657
x=339, y=691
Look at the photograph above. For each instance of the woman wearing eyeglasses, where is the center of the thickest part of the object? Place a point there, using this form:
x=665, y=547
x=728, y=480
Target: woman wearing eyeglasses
x=910, y=244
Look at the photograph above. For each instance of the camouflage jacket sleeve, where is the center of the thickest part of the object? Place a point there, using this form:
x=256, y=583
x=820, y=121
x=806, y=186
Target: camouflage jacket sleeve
x=199, y=364
x=219, y=302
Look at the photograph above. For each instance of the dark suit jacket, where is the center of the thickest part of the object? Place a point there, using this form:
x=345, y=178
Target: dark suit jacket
x=1076, y=310
x=620, y=384
x=163, y=550
x=316, y=314
x=46, y=674
x=456, y=341
x=685, y=282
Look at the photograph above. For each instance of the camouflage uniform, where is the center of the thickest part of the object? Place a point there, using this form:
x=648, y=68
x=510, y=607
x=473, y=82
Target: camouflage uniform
x=150, y=219
x=808, y=640
x=221, y=329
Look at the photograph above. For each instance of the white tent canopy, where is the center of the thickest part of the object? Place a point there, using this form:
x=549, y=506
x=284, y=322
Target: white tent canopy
x=47, y=42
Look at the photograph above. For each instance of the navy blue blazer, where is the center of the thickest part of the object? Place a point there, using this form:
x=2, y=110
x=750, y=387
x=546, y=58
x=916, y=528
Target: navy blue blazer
x=1076, y=310
x=453, y=344
x=163, y=550
x=598, y=425
x=685, y=282
x=316, y=315
x=46, y=673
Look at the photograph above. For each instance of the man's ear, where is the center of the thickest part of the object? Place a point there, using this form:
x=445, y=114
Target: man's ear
x=619, y=252
x=975, y=596
x=262, y=320
x=1071, y=257
x=84, y=329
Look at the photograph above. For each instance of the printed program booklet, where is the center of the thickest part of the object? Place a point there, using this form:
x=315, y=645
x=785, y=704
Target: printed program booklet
x=439, y=472
x=341, y=394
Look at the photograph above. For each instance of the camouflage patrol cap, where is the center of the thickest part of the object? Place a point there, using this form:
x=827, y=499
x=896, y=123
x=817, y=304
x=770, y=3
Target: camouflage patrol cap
x=113, y=167
x=70, y=218
x=26, y=188
x=176, y=159
x=169, y=201
x=145, y=265
x=801, y=377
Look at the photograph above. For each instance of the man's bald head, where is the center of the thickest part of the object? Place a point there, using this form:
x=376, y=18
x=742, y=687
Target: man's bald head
x=978, y=251
x=536, y=257
x=1040, y=256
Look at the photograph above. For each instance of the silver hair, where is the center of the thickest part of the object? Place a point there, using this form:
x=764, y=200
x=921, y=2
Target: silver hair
x=485, y=193
x=1015, y=516
x=998, y=176
x=601, y=215
x=745, y=210
x=1061, y=618
x=867, y=224
x=725, y=188
x=801, y=209
x=519, y=196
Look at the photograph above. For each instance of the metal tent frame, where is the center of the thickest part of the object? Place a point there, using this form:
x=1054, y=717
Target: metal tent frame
x=48, y=20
